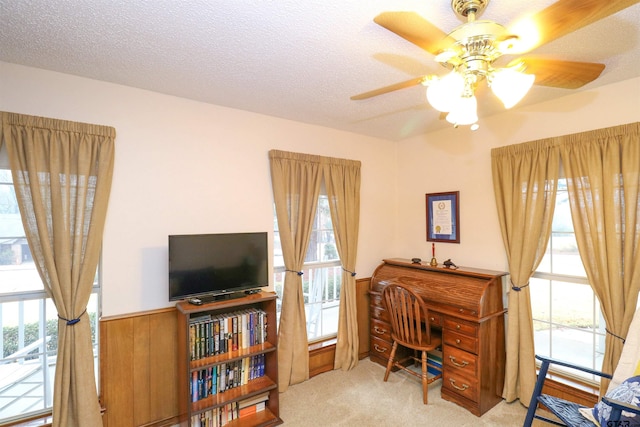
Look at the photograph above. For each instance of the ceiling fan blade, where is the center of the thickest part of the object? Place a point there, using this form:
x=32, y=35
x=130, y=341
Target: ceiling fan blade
x=414, y=28
x=562, y=18
x=557, y=73
x=391, y=88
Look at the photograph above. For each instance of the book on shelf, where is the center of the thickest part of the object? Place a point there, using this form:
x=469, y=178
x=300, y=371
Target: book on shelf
x=434, y=360
x=219, y=334
x=216, y=417
x=252, y=405
x=225, y=376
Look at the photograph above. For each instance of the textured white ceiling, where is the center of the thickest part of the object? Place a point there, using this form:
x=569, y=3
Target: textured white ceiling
x=299, y=60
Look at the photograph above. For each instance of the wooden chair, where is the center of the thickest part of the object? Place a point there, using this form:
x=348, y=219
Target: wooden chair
x=410, y=328
x=575, y=415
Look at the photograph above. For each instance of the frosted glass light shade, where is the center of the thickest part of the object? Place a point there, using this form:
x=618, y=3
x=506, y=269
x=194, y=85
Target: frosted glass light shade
x=510, y=86
x=443, y=92
x=464, y=112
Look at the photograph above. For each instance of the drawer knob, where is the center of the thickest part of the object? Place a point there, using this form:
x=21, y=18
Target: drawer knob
x=379, y=331
x=433, y=319
x=453, y=384
x=458, y=326
x=379, y=349
x=458, y=364
x=458, y=341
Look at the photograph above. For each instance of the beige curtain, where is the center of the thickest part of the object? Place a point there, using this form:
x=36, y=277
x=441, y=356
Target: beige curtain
x=524, y=181
x=296, y=182
x=62, y=174
x=342, y=181
x=602, y=168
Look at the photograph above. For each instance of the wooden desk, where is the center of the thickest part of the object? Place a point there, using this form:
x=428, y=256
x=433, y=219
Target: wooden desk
x=467, y=305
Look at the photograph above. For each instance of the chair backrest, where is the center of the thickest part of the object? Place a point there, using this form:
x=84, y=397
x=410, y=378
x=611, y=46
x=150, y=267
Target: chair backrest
x=630, y=356
x=408, y=313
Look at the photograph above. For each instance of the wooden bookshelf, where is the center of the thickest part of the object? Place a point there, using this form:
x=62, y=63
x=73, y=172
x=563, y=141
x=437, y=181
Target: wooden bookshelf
x=267, y=350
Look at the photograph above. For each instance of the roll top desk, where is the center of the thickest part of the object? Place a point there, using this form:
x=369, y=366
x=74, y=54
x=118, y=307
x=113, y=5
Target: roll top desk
x=466, y=304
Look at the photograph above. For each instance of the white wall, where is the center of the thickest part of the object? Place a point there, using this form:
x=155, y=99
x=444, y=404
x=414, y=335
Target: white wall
x=188, y=167
x=460, y=160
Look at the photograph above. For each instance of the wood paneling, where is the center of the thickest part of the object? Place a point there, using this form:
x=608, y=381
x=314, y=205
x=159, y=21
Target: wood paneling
x=138, y=369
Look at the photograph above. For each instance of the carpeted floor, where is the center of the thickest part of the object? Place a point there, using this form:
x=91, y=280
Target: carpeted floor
x=360, y=398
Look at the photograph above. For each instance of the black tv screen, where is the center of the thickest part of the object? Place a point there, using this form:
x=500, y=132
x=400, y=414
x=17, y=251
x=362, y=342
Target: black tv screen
x=202, y=265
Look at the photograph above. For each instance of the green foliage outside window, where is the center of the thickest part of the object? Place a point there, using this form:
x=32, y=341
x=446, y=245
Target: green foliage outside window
x=31, y=335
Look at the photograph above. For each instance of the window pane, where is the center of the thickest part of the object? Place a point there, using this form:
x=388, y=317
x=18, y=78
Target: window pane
x=565, y=258
x=540, y=291
x=573, y=305
x=567, y=321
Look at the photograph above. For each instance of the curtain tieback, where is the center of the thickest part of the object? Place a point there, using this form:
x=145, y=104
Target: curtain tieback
x=353, y=273
x=517, y=288
x=299, y=273
x=71, y=322
x=614, y=335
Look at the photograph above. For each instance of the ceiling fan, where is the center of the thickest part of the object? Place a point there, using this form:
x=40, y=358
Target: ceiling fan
x=471, y=50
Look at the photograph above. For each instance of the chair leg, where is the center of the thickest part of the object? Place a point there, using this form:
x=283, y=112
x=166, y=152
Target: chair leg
x=537, y=390
x=390, y=362
x=425, y=383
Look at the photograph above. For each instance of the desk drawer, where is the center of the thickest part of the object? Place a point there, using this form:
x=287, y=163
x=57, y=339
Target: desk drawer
x=463, y=342
x=380, y=347
x=457, y=325
x=461, y=385
x=380, y=330
x=435, y=319
x=460, y=361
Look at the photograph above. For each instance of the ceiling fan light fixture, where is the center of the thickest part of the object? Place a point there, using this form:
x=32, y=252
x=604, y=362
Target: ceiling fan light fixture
x=443, y=93
x=510, y=86
x=464, y=112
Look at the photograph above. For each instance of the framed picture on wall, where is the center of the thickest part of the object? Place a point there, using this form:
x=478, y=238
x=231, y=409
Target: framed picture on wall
x=443, y=217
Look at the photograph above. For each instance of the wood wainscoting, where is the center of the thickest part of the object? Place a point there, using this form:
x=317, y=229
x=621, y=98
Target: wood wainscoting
x=139, y=369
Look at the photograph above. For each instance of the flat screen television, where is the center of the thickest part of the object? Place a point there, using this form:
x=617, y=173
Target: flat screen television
x=207, y=266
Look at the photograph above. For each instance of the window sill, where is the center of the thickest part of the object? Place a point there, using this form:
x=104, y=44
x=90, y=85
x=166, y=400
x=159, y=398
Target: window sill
x=320, y=345
x=44, y=420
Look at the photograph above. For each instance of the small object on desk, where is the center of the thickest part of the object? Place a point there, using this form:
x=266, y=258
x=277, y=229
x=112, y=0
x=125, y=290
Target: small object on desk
x=434, y=261
x=195, y=301
x=449, y=264
x=416, y=260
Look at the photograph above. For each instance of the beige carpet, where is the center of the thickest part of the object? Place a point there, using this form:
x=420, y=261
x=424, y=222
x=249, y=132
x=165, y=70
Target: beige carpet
x=360, y=398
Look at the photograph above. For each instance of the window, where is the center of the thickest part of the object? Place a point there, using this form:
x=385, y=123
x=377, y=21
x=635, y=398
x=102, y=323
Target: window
x=28, y=319
x=322, y=276
x=567, y=320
